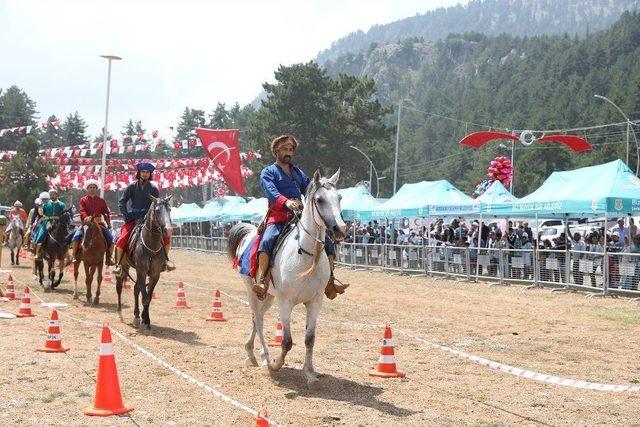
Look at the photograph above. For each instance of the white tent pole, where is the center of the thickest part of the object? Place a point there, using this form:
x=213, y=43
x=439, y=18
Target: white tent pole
x=478, y=248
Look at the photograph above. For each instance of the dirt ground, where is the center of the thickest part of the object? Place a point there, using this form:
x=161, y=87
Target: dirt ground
x=566, y=335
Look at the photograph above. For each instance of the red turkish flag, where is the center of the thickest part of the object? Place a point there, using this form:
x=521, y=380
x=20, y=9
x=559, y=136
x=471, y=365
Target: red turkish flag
x=224, y=150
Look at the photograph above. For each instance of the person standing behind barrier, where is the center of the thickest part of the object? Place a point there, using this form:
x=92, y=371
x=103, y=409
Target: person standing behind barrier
x=526, y=255
x=578, y=247
x=623, y=232
x=635, y=249
x=615, y=246
x=596, y=249
x=561, y=247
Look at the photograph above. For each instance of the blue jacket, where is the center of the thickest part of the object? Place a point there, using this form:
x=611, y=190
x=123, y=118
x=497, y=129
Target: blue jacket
x=278, y=187
x=139, y=198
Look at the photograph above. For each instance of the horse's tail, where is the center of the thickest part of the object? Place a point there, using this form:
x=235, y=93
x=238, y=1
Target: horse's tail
x=236, y=234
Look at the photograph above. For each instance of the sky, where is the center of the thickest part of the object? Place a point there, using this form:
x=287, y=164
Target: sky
x=175, y=53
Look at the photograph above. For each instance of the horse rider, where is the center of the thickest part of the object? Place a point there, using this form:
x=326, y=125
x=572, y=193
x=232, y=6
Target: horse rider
x=93, y=206
x=17, y=210
x=3, y=224
x=51, y=210
x=137, y=193
x=283, y=184
x=31, y=218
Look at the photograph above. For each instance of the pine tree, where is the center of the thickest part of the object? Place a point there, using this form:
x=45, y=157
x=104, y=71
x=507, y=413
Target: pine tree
x=51, y=136
x=190, y=119
x=25, y=175
x=16, y=109
x=220, y=117
x=128, y=130
x=74, y=130
x=139, y=129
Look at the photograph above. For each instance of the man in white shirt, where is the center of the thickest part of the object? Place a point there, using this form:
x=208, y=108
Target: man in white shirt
x=623, y=232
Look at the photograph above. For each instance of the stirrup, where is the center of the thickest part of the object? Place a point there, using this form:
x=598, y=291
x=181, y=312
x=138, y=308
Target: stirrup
x=261, y=289
x=169, y=266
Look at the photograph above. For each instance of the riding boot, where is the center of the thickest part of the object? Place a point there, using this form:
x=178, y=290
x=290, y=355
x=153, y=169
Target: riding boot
x=120, y=260
x=109, y=260
x=262, y=281
x=332, y=290
x=74, y=251
x=168, y=266
x=39, y=252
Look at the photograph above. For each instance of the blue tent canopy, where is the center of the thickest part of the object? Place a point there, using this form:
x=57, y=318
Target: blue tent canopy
x=254, y=210
x=230, y=205
x=187, y=212
x=611, y=188
x=425, y=198
x=356, y=201
x=496, y=194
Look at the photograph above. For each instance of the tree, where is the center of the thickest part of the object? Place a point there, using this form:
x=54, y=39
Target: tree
x=190, y=119
x=25, y=175
x=140, y=130
x=128, y=130
x=220, y=118
x=327, y=116
x=51, y=136
x=74, y=130
x=16, y=109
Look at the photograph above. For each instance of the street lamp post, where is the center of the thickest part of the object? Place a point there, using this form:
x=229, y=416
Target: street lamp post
x=371, y=168
x=103, y=168
x=604, y=98
x=395, y=167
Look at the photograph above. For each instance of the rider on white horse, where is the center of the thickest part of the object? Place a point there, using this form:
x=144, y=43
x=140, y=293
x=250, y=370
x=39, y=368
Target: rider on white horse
x=283, y=184
x=16, y=210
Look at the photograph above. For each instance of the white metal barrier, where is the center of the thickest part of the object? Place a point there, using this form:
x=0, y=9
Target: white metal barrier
x=599, y=273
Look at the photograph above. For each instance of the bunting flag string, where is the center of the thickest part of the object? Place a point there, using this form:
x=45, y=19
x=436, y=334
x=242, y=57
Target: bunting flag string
x=114, y=147
x=164, y=179
x=23, y=130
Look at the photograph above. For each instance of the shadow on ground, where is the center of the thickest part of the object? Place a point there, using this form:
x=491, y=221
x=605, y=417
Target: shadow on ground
x=335, y=388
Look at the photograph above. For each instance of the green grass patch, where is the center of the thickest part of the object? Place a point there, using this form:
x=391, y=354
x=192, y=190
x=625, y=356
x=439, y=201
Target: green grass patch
x=52, y=396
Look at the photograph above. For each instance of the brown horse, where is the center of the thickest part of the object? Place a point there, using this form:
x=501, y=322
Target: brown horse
x=54, y=248
x=148, y=257
x=91, y=252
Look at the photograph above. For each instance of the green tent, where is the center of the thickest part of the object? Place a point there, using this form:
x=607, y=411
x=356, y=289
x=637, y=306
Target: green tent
x=356, y=201
x=437, y=198
x=611, y=188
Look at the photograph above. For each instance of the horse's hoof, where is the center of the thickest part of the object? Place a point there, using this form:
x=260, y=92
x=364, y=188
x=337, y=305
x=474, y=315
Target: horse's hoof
x=96, y=301
x=250, y=362
x=136, y=322
x=265, y=371
x=76, y=296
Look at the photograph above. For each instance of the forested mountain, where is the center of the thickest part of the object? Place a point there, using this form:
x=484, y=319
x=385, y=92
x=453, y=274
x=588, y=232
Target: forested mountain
x=491, y=17
x=477, y=82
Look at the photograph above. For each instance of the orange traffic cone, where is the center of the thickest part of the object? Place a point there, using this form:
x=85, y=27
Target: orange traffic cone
x=10, y=290
x=108, y=398
x=262, y=420
x=54, y=340
x=25, y=304
x=387, y=360
x=181, y=302
x=216, y=309
x=277, y=342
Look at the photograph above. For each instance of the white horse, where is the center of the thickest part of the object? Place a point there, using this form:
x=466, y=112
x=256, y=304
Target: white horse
x=299, y=274
x=14, y=241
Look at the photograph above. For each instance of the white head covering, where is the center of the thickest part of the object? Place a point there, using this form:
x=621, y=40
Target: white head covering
x=89, y=182
x=38, y=201
x=44, y=196
x=52, y=190
x=17, y=204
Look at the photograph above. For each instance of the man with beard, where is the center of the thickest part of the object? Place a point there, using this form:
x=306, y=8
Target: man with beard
x=283, y=184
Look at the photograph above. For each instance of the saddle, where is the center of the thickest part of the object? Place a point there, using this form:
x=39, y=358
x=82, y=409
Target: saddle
x=288, y=228
x=133, y=238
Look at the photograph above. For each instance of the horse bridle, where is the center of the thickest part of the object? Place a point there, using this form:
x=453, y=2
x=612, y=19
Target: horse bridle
x=53, y=238
x=154, y=226
x=327, y=185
